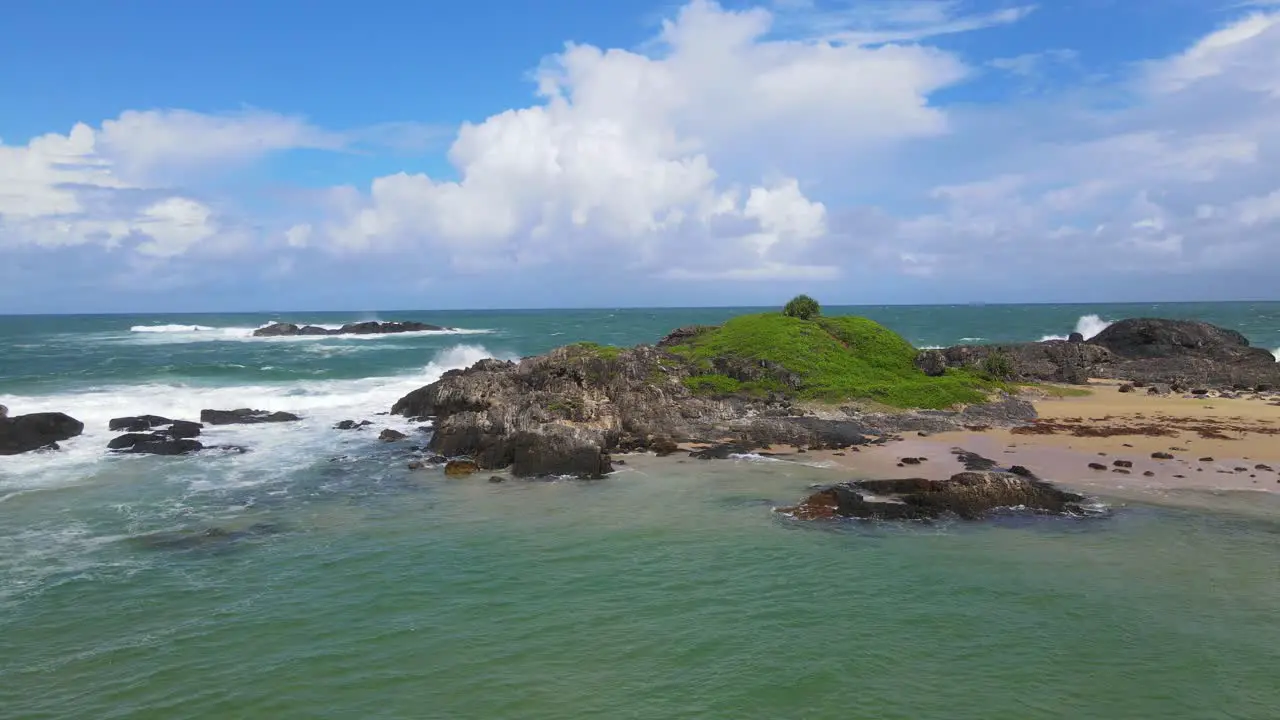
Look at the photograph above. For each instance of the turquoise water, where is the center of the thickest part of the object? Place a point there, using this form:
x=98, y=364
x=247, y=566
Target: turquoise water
x=352, y=587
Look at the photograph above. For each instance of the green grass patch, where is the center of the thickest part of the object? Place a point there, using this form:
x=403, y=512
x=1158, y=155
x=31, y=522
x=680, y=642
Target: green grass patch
x=605, y=352
x=837, y=359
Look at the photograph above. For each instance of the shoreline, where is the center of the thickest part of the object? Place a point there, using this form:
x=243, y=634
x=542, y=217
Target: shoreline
x=1215, y=452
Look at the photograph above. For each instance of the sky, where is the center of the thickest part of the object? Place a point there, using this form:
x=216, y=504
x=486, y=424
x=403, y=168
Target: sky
x=390, y=154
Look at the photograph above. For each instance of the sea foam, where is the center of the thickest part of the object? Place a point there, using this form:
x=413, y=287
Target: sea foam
x=275, y=448
x=1088, y=326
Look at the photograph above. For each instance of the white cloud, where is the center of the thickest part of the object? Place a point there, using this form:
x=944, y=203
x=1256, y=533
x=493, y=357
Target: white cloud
x=141, y=144
x=103, y=186
x=621, y=153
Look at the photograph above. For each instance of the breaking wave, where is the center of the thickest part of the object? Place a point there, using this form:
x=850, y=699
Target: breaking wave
x=1088, y=326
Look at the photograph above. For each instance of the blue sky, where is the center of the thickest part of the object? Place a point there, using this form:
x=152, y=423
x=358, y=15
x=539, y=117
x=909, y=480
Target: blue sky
x=510, y=153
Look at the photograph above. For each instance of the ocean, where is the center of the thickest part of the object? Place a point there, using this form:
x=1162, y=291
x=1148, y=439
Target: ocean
x=340, y=584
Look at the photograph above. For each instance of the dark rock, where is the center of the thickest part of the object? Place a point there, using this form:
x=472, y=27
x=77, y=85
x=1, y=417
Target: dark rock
x=1265, y=468
x=351, y=425
x=167, y=447
x=909, y=461
x=1097, y=466
x=1022, y=471
x=34, y=431
x=244, y=416
x=360, y=328
x=1075, y=337
x=1148, y=473
x=1126, y=388
x=968, y=495
x=558, y=451
x=495, y=478
x=460, y=468
x=4, y=412
x=931, y=362
x=664, y=446
x=1200, y=391
x=138, y=423
x=1206, y=459
x=390, y=435
x=1121, y=471
x=1123, y=463
x=128, y=440
x=184, y=429
x=1161, y=456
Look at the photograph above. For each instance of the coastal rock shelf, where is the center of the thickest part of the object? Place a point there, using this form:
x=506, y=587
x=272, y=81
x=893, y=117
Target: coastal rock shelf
x=1181, y=354
x=360, y=328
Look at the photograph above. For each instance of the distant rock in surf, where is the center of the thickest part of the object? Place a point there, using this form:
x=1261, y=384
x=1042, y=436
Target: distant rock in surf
x=245, y=416
x=137, y=423
x=360, y=328
x=36, y=431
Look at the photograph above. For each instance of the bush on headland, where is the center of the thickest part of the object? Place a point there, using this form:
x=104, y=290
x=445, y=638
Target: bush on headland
x=803, y=307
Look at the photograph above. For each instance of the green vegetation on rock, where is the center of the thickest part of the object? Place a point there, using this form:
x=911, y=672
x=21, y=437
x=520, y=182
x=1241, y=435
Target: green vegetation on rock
x=605, y=352
x=826, y=359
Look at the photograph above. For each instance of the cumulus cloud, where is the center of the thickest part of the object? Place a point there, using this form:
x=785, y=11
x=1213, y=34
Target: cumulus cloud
x=784, y=144
x=622, y=152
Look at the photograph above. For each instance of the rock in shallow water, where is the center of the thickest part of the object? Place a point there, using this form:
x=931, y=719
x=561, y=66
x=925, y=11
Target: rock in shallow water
x=25, y=433
x=969, y=495
x=244, y=416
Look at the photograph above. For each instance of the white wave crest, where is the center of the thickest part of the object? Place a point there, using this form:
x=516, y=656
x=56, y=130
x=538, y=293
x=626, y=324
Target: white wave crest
x=1088, y=326
x=276, y=448
x=1276, y=352
x=171, y=328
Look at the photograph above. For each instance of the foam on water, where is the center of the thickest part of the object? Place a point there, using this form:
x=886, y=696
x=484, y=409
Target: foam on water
x=157, y=334
x=1088, y=326
x=1276, y=352
x=275, y=449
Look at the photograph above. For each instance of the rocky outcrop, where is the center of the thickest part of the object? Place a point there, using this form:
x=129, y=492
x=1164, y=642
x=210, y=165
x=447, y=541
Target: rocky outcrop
x=244, y=416
x=1178, y=353
x=351, y=425
x=969, y=495
x=360, y=328
x=566, y=412
x=36, y=431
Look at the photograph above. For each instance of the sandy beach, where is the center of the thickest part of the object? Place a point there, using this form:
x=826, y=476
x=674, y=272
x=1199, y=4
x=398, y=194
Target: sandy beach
x=1118, y=444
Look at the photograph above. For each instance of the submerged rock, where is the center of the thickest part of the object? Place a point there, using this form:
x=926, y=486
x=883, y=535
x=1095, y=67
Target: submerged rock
x=244, y=416
x=351, y=425
x=391, y=435
x=137, y=423
x=970, y=495
x=34, y=431
x=460, y=468
x=206, y=538
x=165, y=446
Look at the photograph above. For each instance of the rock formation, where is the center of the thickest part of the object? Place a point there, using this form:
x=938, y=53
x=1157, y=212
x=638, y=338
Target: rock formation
x=360, y=328
x=1179, y=353
x=245, y=416
x=36, y=431
x=969, y=495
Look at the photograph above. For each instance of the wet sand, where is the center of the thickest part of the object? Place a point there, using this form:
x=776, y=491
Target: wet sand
x=1207, y=445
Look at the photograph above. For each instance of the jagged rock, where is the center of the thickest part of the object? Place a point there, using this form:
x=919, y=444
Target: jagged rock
x=138, y=423
x=1123, y=463
x=184, y=429
x=1126, y=388
x=4, y=412
x=460, y=468
x=931, y=362
x=244, y=416
x=165, y=446
x=1161, y=456
x=390, y=435
x=970, y=495
x=1075, y=337
x=351, y=425
x=360, y=328
x=720, y=451
x=664, y=446
x=128, y=440
x=24, y=433
x=1097, y=466
x=558, y=450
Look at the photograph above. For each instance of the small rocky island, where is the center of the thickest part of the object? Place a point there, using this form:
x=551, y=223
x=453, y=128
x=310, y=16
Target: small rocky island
x=810, y=382
x=361, y=328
